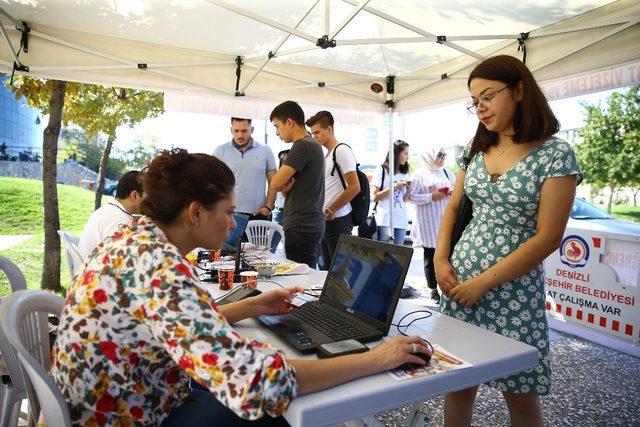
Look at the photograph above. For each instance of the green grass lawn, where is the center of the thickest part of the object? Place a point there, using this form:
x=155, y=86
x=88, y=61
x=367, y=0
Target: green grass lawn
x=21, y=212
x=628, y=212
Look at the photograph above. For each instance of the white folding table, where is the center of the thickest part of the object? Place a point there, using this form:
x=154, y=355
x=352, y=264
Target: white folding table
x=491, y=354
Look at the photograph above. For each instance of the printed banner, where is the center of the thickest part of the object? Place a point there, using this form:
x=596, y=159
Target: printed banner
x=592, y=280
x=620, y=76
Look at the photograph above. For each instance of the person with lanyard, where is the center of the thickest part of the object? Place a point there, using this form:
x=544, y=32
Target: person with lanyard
x=109, y=217
x=138, y=325
x=431, y=190
x=253, y=166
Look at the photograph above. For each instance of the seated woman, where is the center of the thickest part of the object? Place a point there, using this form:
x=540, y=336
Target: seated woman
x=137, y=324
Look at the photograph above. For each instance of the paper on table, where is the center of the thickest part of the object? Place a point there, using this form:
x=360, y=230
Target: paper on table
x=441, y=361
x=291, y=268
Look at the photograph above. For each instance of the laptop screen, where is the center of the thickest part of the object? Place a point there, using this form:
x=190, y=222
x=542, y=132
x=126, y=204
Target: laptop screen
x=231, y=242
x=366, y=277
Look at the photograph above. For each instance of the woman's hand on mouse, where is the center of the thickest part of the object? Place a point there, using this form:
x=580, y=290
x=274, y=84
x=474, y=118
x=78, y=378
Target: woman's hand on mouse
x=396, y=351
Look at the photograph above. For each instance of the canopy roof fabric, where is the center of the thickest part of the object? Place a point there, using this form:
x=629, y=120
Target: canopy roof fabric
x=323, y=52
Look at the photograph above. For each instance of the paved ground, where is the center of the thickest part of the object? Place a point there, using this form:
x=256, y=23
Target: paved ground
x=592, y=385
x=8, y=241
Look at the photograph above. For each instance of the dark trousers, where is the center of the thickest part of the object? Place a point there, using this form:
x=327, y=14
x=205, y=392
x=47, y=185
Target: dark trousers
x=332, y=231
x=429, y=268
x=202, y=409
x=302, y=247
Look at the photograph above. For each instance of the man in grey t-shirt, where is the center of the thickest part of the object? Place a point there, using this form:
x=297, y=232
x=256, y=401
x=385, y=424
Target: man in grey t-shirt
x=253, y=166
x=302, y=179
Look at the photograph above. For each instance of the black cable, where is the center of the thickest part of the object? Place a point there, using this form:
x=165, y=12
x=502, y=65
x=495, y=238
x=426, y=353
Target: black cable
x=270, y=281
x=400, y=325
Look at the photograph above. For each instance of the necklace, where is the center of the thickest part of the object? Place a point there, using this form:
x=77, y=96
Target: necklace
x=500, y=153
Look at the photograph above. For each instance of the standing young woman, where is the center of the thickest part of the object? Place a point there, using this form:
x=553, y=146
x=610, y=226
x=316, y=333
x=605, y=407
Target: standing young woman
x=432, y=185
x=522, y=183
x=401, y=187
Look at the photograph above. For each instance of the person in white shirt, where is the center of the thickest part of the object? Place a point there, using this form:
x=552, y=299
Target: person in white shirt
x=431, y=190
x=337, y=198
x=109, y=217
x=401, y=190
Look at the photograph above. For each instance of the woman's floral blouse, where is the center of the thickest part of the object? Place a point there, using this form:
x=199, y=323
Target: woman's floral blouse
x=136, y=326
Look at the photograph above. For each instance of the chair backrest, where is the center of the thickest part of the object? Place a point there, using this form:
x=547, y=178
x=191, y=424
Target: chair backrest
x=265, y=233
x=74, y=258
x=24, y=322
x=15, y=276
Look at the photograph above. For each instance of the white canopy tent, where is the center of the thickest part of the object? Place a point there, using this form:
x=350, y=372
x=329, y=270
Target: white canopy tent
x=325, y=53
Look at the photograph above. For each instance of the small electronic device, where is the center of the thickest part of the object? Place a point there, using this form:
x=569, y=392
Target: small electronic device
x=341, y=348
x=237, y=294
x=413, y=366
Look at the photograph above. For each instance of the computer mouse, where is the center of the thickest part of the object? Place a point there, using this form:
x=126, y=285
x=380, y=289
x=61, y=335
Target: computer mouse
x=414, y=366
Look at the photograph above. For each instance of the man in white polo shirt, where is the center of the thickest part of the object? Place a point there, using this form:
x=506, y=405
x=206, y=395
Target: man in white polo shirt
x=109, y=217
x=253, y=166
x=337, y=198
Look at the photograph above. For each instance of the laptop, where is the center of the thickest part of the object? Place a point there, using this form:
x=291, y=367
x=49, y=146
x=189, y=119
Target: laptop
x=230, y=245
x=358, y=300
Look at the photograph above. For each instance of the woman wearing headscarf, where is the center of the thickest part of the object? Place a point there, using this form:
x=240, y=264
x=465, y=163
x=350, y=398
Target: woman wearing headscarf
x=431, y=188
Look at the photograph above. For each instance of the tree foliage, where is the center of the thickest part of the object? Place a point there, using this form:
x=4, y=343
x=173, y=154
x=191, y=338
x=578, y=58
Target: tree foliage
x=610, y=151
x=75, y=145
x=96, y=109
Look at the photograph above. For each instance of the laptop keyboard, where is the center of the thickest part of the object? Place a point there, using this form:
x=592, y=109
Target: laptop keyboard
x=326, y=322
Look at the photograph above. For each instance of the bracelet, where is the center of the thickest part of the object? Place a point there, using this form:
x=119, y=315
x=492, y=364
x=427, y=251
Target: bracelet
x=270, y=209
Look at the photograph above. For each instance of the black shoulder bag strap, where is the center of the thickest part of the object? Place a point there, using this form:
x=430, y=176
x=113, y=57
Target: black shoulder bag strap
x=336, y=166
x=381, y=184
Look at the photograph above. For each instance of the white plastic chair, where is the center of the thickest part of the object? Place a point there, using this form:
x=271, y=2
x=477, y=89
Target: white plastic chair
x=12, y=388
x=264, y=233
x=24, y=322
x=74, y=258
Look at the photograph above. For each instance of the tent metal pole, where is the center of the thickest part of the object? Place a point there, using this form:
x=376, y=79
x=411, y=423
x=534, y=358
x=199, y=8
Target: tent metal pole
x=392, y=168
x=288, y=76
x=125, y=61
x=412, y=27
x=327, y=16
x=13, y=52
x=282, y=53
x=264, y=20
x=193, y=82
x=589, y=43
x=348, y=18
x=278, y=46
x=448, y=75
x=592, y=26
x=15, y=22
x=127, y=67
x=312, y=85
x=433, y=39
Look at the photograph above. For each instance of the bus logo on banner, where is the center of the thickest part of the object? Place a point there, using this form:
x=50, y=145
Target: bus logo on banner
x=574, y=251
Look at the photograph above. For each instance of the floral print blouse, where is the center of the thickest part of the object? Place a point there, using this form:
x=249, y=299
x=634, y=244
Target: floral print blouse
x=137, y=325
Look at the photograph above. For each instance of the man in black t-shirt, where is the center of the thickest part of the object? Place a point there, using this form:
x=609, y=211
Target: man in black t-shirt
x=301, y=179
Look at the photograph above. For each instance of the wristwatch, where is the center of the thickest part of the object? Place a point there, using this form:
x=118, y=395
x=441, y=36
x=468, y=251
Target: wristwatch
x=328, y=212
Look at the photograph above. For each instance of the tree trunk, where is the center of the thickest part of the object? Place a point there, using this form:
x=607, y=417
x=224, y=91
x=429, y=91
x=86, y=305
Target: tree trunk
x=103, y=169
x=51, y=265
x=635, y=194
x=612, y=188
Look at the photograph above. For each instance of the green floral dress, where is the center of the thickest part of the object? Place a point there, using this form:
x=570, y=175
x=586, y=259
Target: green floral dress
x=505, y=215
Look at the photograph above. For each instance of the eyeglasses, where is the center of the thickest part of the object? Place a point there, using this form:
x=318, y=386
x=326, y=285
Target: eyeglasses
x=441, y=155
x=484, y=99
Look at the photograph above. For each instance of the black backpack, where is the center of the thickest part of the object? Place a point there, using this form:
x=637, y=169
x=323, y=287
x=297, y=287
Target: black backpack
x=360, y=203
